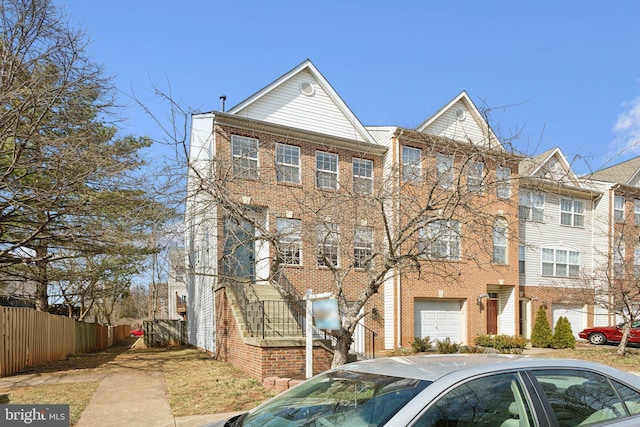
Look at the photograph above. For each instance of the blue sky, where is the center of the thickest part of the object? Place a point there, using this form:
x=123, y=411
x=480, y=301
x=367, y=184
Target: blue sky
x=554, y=73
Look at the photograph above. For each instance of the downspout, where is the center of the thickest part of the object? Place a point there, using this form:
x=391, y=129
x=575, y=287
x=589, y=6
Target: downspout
x=395, y=141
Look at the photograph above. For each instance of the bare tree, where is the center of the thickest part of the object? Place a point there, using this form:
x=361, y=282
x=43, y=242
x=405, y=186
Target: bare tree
x=410, y=222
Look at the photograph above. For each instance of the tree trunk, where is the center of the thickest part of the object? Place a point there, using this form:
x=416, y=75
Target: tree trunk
x=42, y=281
x=622, y=347
x=341, y=351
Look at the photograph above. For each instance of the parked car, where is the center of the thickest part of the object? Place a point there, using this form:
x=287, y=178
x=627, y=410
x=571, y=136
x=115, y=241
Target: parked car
x=610, y=334
x=138, y=332
x=455, y=390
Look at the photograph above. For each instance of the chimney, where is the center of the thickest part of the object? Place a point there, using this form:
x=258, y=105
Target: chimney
x=222, y=99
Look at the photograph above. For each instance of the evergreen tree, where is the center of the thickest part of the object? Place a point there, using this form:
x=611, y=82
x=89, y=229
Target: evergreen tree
x=563, y=335
x=541, y=335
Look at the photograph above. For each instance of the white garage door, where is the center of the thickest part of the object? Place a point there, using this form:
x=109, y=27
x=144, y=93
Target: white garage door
x=437, y=320
x=573, y=312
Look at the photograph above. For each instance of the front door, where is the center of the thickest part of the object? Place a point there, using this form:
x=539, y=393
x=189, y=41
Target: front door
x=239, y=253
x=492, y=316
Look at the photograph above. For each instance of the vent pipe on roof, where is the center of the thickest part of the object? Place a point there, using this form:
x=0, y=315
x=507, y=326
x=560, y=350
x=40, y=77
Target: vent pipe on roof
x=222, y=99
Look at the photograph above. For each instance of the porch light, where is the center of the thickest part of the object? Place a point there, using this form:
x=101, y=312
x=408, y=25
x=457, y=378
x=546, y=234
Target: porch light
x=479, y=300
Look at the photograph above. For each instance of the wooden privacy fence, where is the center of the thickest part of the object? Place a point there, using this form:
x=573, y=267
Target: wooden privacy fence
x=29, y=338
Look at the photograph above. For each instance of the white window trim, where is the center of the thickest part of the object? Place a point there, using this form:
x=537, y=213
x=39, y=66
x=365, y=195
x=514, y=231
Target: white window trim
x=555, y=262
x=328, y=237
x=288, y=165
x=290, y=237
x=448, y=237
x=237, y=157
x=500, y=241
x=333, y=173
x=503, y=183
x=365, y=246
x=572, y=213
x=415, y=166
x=475, y=180
x=365, y=178
x=444, y=169
x=616, y=208
x=528, y=199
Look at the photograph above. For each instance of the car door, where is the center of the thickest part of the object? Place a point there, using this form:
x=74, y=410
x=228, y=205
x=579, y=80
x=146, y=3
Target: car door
x=492, y=400
x=634, y=335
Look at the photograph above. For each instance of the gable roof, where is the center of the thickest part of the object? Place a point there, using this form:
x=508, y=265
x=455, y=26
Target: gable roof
x=303, y=99
x=551, y=165
x=623, y=173
x=451, y=122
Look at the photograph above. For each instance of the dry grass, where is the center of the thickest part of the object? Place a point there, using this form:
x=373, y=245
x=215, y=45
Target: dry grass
x=197, y=384
x=601, y=354
x=77, y=396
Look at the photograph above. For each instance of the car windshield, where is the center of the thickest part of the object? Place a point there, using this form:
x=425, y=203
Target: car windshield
x=341, y=398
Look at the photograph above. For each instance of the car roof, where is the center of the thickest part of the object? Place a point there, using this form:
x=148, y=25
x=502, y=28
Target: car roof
x=433, y=367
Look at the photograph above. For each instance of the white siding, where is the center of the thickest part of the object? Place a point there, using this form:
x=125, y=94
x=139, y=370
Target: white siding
x=389, y=314
x=551, y=233
x=287, y=105
x=467, y=130
x=507, y=320
x=200, y=239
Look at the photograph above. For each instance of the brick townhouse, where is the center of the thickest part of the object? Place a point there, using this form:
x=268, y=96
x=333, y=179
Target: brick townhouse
x=292, y=168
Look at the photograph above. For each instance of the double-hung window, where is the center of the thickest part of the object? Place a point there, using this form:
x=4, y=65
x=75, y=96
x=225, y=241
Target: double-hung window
x=500, y=241
x=289, y=240
x=636, y=211
x=244, y=153
x=531, y=206
x=288, y=163
x=362, y=176
x=636, y=262
x=503, y=182
x=327, y=245
x=440, y=239
x=572, y=212
x=362, y=247
x=326, y=170
x=522, y=253
x=618, y=208
x=475, y=177
x=444, y=169
x=411, y=167
x=560, y=262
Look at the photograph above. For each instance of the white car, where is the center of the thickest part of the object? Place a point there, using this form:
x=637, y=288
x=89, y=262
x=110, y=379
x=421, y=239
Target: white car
x=455, y=390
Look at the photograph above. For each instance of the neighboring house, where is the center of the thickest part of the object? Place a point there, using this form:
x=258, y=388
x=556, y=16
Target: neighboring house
x=283, y=154
x=557, y=219
x=475, y=290
x=617, y=230
x=177, y=286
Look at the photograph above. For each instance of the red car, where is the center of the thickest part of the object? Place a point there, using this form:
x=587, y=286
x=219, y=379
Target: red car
x=610, y=334
x=138, y=332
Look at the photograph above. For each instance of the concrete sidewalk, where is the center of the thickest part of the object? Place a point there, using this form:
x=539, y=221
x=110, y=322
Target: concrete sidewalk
x=136, y=399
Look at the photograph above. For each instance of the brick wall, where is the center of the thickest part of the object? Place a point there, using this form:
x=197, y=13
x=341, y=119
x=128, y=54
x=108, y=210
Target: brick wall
x=262, y=359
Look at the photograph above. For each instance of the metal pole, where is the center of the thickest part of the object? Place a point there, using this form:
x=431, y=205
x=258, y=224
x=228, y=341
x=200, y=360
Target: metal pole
x=309, y=337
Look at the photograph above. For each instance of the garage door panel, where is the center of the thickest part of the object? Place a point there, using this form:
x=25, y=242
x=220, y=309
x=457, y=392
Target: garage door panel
x=438, y=320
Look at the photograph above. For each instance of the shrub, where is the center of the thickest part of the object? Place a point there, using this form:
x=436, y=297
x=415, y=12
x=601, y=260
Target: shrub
x=472, y=349
x=447, y=347
x=541, y=334
x=563, y=335
x=509, y=344
x=420, y=345
x=484, y=340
